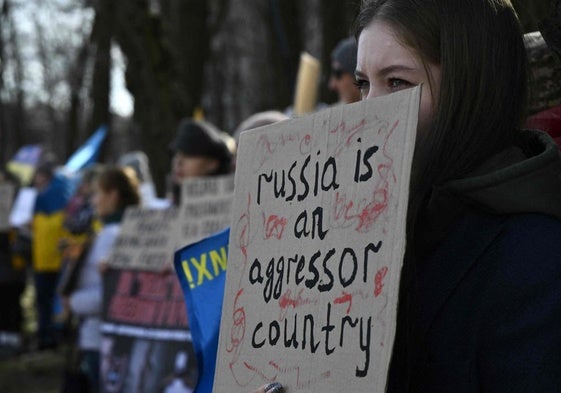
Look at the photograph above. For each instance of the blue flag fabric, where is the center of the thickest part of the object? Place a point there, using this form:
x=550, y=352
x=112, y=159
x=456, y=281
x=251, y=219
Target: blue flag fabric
x=201, y=268
x=88, y=152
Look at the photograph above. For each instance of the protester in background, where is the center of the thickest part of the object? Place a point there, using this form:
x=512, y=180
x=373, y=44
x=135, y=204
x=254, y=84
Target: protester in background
x=259, y=119
x=79, y=212
x=138, y=160
x=479, y=306
x=343, y=65
x=115, y=189
x=81, y=226
x=53, y=193
x=12, y=285
x=199, y=149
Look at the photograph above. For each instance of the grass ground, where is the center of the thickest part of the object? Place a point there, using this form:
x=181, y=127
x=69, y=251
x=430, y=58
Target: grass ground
x=31, y=371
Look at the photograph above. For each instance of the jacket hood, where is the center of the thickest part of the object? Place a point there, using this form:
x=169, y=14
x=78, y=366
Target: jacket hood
x=522, y=179
x=525, y=178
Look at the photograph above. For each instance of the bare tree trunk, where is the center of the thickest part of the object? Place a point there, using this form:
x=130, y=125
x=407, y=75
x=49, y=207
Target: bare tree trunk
x=149, y=79
x=101, y=88
x=3, y=123
x=76, y=79
x=185, y=28
x=53, y=135
x=14, y=133
x=241, y=75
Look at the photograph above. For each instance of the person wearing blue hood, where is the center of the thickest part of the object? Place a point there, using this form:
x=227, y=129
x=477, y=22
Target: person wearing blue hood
x=53, y=193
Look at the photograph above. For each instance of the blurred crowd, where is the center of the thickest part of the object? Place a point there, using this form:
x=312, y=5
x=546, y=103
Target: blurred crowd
x=61, y=251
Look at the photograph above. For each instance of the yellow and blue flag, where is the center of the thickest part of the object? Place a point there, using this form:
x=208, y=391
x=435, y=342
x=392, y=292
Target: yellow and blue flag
x=23, y=164
x=201, y=268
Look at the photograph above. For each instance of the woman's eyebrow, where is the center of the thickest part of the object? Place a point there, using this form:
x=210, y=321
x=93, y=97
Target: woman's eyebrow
x=395, y=68
x=387, y=70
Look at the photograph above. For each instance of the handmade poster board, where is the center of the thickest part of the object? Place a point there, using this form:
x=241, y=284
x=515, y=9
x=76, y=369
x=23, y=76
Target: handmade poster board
x=22, y=210
x=206, y=207
x=146, y=241
x=316, y=247
x=7, y=191
x=147, y=344
x=149, y=237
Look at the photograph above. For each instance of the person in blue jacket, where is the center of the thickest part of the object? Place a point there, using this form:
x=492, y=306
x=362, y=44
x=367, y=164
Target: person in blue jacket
x=480, y=295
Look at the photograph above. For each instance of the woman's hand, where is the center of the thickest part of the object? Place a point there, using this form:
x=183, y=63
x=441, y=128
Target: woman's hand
x=274, y=387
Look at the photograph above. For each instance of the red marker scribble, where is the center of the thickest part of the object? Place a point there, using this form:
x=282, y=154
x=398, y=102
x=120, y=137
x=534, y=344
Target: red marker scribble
x=243, y=229
x=345, y=298
x=237, y=333
x=300, y=384
x=306, y=144
x=368, y=216
x=266, y=146
x=274, y=226
x=342, y=208
x=287, y=300
x=380, y=197
x=268, y=378
x=378, y=281
x=344, y=136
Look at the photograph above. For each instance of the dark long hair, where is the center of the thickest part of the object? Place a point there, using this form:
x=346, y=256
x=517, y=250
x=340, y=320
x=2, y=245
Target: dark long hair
x=483, y=89
x=124, y=181
x=482, y=102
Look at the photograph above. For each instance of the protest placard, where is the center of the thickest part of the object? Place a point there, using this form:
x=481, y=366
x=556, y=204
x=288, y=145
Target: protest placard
x=146, y=344
x=206, y=207
x=22, y=210
x=7, y=190
x=146, y=241
x=316, y=247
x=149, y=237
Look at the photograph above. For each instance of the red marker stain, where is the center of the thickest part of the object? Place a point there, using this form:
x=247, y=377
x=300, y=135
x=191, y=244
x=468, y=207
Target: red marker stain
x=300, y=383
x=237, y=333
x=345, y=298
x=378, y=281
x=243, y=228
x=287, y=300
x=344, y=136
x=306, y=144
x=274, y=226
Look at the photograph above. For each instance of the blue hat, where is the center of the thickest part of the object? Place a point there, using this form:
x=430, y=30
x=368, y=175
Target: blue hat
x=345, y=54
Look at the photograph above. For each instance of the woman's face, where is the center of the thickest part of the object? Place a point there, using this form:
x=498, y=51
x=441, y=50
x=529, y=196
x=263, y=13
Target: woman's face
x=385, y=65
x=106, y=202
x=183, y=167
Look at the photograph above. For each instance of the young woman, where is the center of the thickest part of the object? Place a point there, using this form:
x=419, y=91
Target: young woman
x=116, y=189
x=199, y=149
x=480, y=297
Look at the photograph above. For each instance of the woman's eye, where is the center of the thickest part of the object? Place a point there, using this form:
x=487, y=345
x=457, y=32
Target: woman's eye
x=362, y=84
x=396, y=83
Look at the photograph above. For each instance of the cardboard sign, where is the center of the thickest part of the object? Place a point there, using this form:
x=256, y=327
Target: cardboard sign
x=7, y=190
x=316, y=247
x=146, y=241
x=146, y=344
x=22, y=210
x=149, y=237
x=206, y=207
